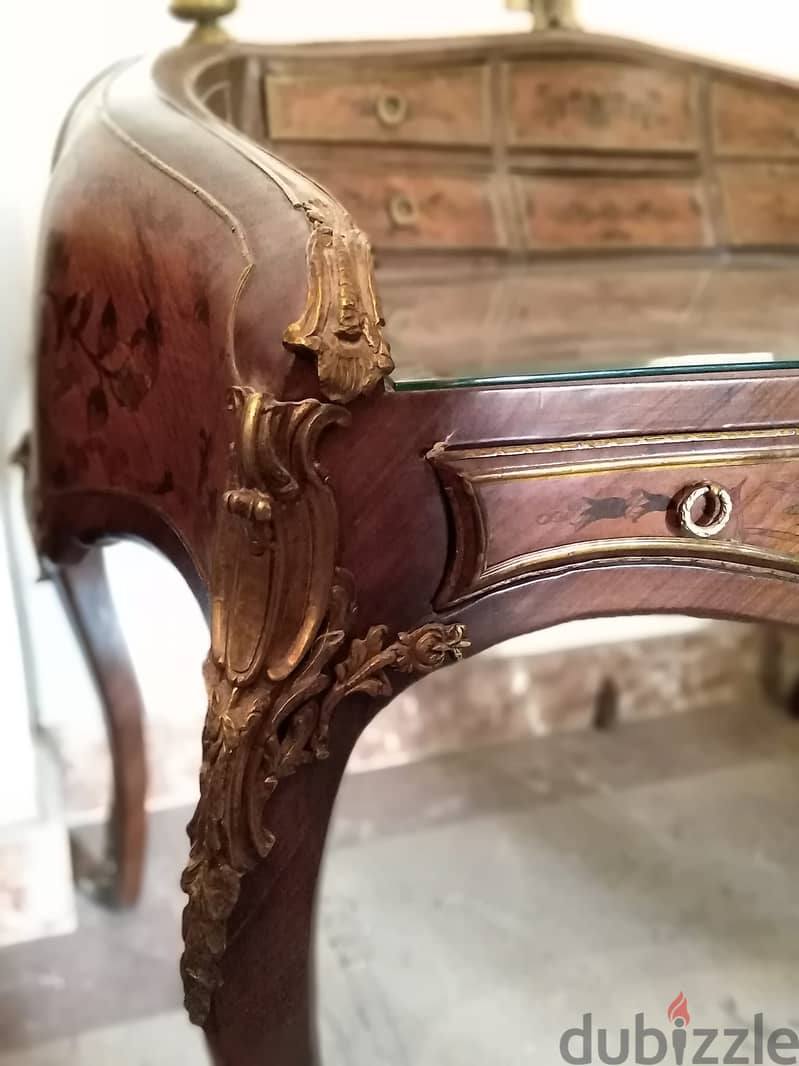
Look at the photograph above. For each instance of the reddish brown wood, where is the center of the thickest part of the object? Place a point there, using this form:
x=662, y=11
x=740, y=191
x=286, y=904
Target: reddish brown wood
x=87, y=598
x=443, y=106
x=536, y=110
x=276, y=993
x=761, y=202
x=602, y=104
x=587, y=212
x=623, y=498
x=778, y=671
x=753, y=118
x=175, y=263
x=413, y=210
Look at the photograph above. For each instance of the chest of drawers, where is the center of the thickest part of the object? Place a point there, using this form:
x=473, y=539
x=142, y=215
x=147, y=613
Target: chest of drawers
x=556, y=143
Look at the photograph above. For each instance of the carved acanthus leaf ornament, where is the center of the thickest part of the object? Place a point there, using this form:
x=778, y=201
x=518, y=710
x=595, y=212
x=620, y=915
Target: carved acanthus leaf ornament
x=282, y=659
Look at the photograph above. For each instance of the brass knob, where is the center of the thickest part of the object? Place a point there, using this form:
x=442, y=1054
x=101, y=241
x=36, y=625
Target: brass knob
x=391, y=108
x=548, y=14
x=206, y=14
x=403, y=211
x=716, y=510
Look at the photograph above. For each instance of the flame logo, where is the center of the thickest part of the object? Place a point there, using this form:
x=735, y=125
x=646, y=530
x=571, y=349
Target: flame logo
x=678, y=1010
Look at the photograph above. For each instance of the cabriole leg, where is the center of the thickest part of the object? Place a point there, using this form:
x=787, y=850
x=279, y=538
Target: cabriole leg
x=86, y=596
x=284, y=660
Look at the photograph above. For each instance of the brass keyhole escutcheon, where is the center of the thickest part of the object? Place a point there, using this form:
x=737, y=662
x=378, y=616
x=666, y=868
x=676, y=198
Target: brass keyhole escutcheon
x=391, y=108
x=715, y=512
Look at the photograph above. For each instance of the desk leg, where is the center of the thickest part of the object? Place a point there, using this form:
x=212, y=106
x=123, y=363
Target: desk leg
x=86, y=596
x=264, y=1009
x=287, y=653
x=779, y=678
x=271, y=768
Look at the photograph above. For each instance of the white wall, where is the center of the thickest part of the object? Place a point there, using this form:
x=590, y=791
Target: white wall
x=50, y=48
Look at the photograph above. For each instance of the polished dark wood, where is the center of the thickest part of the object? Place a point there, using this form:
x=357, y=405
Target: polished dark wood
x=174, y=261
x=85, y=593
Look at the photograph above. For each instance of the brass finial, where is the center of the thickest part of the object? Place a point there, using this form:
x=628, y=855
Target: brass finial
x=549, y=14
x=206, y=14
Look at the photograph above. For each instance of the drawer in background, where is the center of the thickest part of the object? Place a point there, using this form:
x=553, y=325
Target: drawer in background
x=761, y=203
x=754, y=120
x=419, y=106
x=527, y=508
x=592, y=104
x=418, y=209
x=614, y=212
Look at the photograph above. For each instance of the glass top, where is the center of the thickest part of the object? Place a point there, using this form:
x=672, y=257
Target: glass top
x=477, y=322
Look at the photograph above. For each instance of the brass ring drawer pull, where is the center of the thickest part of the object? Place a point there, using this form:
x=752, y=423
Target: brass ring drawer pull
x=403, y=211
x=717, y=504
x=391, y=109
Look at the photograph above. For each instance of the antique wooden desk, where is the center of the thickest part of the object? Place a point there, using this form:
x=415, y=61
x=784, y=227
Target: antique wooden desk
x=587, y=252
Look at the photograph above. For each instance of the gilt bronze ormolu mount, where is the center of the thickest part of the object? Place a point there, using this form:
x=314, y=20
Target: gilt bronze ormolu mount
x=283, y=657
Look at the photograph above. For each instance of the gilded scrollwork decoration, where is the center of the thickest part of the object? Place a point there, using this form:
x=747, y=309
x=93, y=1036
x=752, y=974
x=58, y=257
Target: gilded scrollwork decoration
x=283, y=657
x=341, y=325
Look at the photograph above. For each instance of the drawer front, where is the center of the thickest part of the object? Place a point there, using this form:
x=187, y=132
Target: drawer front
x=753, y=120
x=528, y=508
x=413, y=107
x=417, y=210
x=592, y=104
x=761, y=203
x=577, y=212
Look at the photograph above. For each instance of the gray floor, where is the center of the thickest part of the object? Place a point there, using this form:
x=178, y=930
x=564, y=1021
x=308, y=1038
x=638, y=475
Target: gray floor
x=483, y=904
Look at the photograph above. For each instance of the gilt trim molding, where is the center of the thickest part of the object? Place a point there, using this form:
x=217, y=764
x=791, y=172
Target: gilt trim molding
x=341, y=326
x=626, y=488
x=283, y=657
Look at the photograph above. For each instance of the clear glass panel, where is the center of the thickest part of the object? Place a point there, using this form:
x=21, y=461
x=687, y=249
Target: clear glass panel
x=466, y=322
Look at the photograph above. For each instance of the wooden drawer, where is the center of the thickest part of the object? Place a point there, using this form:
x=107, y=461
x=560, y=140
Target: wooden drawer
x=603, y=499
x=413, y=209
x=421, y=106
x=754, y=120
x=761, y=203
x=598, y=104
x=599, y=213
